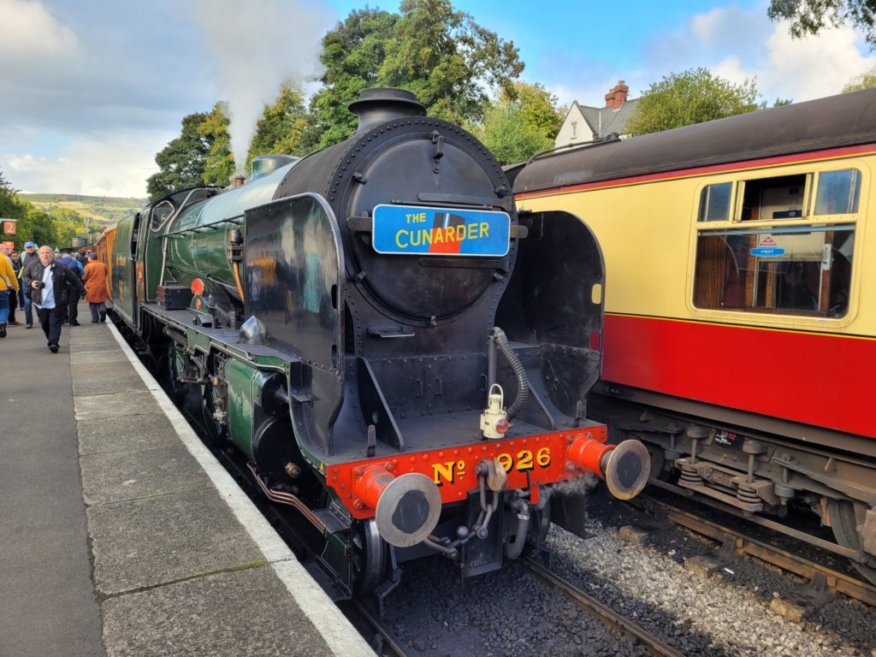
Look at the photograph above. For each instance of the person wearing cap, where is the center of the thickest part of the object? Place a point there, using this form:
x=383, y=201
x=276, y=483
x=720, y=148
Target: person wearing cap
x=30, y=253
x=8, y=286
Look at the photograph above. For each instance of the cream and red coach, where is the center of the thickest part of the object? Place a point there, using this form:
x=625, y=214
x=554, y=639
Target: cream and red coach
x=740, y=325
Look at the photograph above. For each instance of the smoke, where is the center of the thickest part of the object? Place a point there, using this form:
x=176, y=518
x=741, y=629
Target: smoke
x=259, y=45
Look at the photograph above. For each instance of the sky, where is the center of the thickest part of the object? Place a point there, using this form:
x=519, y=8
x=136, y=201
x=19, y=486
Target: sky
x=91, y=90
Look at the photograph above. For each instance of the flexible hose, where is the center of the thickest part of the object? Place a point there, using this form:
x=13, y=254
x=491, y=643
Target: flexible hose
x=517, y=367
x=515, y=549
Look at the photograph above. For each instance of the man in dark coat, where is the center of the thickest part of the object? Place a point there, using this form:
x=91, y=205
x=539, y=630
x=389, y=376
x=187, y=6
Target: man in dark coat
x=29, y=255
x=71, y=313
x=49, y=285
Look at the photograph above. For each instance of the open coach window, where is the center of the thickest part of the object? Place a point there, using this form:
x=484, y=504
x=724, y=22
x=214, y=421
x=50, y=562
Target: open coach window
x=790, y=261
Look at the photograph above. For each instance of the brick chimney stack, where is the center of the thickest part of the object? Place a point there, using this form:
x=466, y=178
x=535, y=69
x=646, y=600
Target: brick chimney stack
x=617, y=95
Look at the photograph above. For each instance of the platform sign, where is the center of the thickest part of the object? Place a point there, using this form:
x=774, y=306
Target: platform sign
x=417, y=230
x=9, y=226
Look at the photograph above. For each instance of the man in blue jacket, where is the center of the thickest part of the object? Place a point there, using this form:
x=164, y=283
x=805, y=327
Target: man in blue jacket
x=48, y=282
x=71, y=303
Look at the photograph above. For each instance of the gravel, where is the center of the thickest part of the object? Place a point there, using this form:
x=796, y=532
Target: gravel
x=636, y=567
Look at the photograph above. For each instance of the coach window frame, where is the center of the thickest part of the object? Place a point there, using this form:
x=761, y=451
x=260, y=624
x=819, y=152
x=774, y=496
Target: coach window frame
x=820, y=224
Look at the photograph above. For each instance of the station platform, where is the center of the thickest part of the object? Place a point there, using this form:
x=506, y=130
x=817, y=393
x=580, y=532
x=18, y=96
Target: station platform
x=120, y=535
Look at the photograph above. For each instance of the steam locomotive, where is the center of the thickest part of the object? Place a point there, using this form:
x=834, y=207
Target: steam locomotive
x=397, y=353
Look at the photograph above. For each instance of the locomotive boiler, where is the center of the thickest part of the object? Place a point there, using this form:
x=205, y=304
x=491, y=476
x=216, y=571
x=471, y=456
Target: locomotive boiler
x=399, y=355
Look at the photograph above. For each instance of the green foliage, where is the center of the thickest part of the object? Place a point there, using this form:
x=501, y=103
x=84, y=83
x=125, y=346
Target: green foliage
x=811, y=16
x=182, y=162
x=864, y=81
x=690, y=97
x=439, y=54
x=219, y=162
x=103, y=210
x=281, y=128
x=56, y=229
x=352, y=55
x=444, y=57
x=516, y=129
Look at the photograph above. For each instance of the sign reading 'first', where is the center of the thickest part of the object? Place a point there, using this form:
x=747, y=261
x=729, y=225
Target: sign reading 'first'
x=415, y=230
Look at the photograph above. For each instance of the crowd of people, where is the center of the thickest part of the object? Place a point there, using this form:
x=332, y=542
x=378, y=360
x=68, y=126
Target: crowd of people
x=49, y=284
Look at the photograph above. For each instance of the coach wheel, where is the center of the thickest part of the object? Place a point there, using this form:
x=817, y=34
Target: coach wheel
x=368, y=561
x=845, y=530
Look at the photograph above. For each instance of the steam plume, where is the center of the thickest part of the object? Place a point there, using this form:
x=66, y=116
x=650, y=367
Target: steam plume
x=259, y=45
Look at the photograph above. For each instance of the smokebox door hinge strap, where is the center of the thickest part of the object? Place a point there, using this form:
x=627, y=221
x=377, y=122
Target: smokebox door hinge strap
x=438, y=151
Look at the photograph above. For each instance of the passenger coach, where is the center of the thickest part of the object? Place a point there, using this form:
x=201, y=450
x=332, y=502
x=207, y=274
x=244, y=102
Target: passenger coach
x=740, y=325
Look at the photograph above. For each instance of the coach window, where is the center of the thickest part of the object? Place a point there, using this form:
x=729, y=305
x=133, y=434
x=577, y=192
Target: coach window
x=773, y=198
x=837, y=192
x=715, y=202
x=795, y=270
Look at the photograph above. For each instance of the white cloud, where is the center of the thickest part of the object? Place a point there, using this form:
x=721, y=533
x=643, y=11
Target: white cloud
x=738, y=44
x=117, y=165
x=814, y=67
x=28, y=29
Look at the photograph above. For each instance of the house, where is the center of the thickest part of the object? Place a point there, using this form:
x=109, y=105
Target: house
x=584, y=123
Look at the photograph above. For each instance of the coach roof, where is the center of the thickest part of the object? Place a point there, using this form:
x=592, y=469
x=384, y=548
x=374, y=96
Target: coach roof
x=844, y=120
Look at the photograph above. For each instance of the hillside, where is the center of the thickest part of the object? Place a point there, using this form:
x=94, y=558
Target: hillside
x=104, y=210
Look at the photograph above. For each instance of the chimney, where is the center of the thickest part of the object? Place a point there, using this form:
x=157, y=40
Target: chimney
x=617, y=95
x=236, y=180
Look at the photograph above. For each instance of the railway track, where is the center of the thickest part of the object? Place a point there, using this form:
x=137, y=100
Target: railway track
x=743, y=544
x=652, y=643
x=360, y=613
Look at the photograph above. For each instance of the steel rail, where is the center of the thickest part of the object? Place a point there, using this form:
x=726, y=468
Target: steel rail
x=652, y=643
x=379, y=627
x=746, y=545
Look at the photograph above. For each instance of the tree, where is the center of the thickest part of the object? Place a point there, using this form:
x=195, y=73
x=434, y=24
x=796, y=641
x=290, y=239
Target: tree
x=219, y=162
x=690, y=97
x=282, y=126
x=515, y=129
x=33, y=224
x=443, y=56
x=448, y=60
x=812, y=16
x=352, y=54
x=864, y=81
x=183, y=161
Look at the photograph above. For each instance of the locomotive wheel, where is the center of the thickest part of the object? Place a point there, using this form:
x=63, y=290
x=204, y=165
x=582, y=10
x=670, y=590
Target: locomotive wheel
x=368, y=560
x=844, y=526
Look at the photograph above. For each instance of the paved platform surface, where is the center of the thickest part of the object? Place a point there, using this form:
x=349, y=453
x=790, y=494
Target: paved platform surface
x=120, y=535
